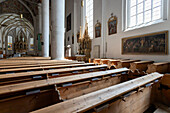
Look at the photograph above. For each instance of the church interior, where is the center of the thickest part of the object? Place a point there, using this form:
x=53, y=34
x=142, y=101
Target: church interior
x=84, y=56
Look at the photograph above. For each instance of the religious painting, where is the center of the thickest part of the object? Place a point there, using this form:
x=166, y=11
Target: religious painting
x=98, y=29
x=112, y=25
x=73, y=39
x=39, y=42
x=9, y=46
x=69, y=22
x=154, y=43
x=32, y=47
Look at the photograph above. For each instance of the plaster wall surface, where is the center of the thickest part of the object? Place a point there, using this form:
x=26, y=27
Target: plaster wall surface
x=102, y=12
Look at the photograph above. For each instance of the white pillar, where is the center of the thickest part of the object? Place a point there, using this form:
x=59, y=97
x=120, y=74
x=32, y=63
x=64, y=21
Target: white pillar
x=57, y=19
x=75, y=27
x=45, y=28
x=103, y=34
x=40, y=17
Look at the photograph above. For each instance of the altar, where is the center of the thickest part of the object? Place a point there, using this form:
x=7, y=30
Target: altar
x=80, y=57
x=84, y=46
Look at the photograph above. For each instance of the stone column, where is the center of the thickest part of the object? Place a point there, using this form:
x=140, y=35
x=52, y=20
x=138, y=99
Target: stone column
x=40, y=17
x=75, y=27
x=45, y=28
x=58, y=20
x=103, y=34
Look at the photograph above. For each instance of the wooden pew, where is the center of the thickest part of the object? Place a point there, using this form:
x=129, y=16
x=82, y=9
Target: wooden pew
x=125, y=63
x=38, y=65
x=96, y=61
x=162, y=90
x=161, y=67
x=91, y=60
x=104, y=61
x=27, y=91
x=38, y=75
x=135, y=95
x=70, y=58
x=60, y=80
x=32, y=62
x=100, y=82
x=113, y=63
x=26, y=69
x=30, y=58
x=139, y=68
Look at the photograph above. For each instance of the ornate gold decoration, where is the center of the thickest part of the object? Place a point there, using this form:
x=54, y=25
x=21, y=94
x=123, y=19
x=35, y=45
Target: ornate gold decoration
x=82, y=3
x=21, y=44
x=85, y=44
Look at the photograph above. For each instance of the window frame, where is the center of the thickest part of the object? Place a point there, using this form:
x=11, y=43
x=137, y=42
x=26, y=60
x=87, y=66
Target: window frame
x=126, y=15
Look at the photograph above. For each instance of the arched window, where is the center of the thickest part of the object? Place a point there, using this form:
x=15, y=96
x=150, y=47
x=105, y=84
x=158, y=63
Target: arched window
x=31, y=44
x=9, y=42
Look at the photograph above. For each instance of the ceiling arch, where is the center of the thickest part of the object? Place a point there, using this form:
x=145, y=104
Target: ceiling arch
x=13, y=21
x=29, y=8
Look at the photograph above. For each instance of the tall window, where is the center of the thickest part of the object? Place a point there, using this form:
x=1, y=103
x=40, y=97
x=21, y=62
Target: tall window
x=89, y=14
x=9, y=42
x=144, y=12
x=31, y=44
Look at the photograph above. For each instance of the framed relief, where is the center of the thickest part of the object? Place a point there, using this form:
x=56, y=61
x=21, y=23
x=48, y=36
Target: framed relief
x=69, y=22
x=154, y=44
x=98, y=29
x=112, y=25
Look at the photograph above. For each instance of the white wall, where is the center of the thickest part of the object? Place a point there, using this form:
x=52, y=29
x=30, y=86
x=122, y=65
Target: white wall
x=114, y=41
x=97, y=16
x=102, y=12
x=73, y=7
x=69, y=9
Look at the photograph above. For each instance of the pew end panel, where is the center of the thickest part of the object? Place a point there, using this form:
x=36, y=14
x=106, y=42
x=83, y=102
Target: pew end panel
x=162, y=91
x=29, y=101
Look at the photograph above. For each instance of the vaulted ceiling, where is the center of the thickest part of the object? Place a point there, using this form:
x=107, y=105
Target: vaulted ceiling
x=15, y=6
